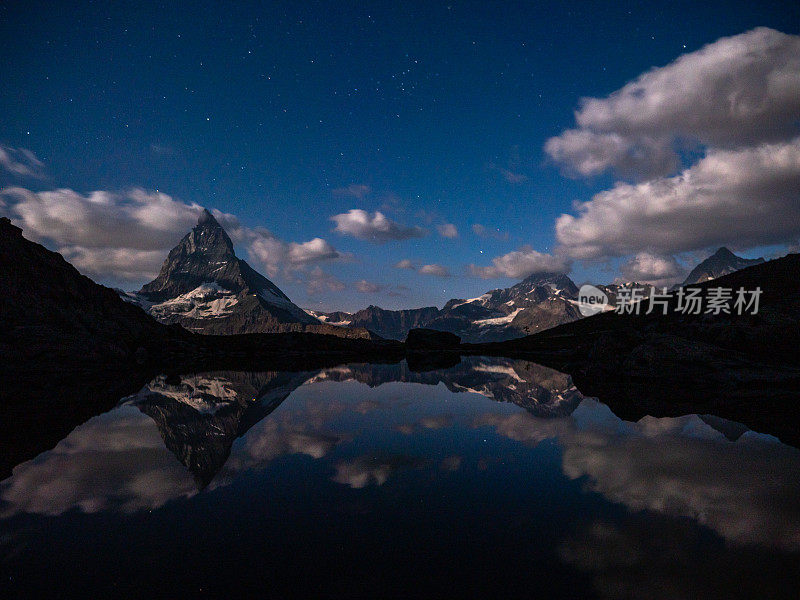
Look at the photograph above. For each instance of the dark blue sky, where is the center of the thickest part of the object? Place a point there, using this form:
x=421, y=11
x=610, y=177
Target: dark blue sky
x=263, y=110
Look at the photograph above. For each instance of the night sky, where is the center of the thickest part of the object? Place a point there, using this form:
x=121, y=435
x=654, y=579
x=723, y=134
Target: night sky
x=285, y=115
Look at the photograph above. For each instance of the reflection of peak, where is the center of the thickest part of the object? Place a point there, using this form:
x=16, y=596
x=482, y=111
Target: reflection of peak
x=539, y=390
x=200, y=416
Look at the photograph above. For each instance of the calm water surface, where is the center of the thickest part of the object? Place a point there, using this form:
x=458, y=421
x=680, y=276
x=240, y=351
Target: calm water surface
x=494, y=476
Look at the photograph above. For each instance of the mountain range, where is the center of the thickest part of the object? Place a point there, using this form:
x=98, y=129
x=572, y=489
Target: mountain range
x=204, y=287
x=537, y=303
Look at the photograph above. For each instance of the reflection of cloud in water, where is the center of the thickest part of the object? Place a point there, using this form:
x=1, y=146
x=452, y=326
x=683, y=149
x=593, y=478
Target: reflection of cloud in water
x=451, y=463
x=428, y=422
x=653, y=557
x=746, y=490
x=365, y=470
x=117, y=461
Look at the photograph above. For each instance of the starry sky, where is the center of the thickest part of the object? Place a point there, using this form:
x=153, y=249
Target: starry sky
x=369, y=153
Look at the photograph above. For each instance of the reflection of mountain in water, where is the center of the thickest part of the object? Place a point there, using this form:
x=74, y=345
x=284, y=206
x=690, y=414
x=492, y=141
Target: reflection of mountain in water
x=541, y=391
x=200, y=416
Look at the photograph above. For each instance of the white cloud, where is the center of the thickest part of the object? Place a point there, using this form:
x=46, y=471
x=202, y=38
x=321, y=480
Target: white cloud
x=407, y=264
x=367, y=287
x=447, y=230
x=375, y=228
x=311, y=251
x=748, y=196
x=435, y=270
x=738, y=91
x=655, y=270
x=20, y=162
x=127, y=235
x=520, y=264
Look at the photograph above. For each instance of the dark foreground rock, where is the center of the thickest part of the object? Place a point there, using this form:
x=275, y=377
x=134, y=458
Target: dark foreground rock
x=431, y=339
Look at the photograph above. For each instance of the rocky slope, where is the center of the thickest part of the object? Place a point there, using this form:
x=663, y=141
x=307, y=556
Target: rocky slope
x=52, y=316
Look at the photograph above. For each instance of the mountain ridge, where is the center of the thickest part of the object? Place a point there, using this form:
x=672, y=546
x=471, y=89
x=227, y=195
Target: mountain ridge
x=722, y=262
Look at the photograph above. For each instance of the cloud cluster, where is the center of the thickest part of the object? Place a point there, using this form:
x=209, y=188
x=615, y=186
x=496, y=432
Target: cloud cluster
x=318, y=281
x=736, y=103
x=406, y=264
x=738, y=91
x=375, y=227
x=749, y=196
x=20, y=162
x=354, y=190
x=126, y=235
x=435, y=270
x=655, y=270
x=367, y=287
x=520, y=264
x=447, y=230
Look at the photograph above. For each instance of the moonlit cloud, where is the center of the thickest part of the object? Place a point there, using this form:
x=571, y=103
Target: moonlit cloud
x=739, y=91
x=509, y=175
x=655, y=270
x=520, y=264
x=435, y=270
x=447, y=230
x=406, y=264
x=127, y=235
x=367, y=287
x=311, y=251
x=748, y=196
x=375, y=227
x=20, y=162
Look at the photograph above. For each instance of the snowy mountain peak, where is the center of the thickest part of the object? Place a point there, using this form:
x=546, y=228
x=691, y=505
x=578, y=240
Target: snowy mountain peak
x=202, y=280
x=722, y=262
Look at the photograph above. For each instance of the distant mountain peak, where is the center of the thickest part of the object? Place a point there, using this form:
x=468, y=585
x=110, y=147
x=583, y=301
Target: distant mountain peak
x=722, y=262
x=723, y=252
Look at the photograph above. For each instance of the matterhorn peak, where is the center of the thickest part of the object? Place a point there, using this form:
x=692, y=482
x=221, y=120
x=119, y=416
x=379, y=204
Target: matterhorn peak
x=207, y=218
